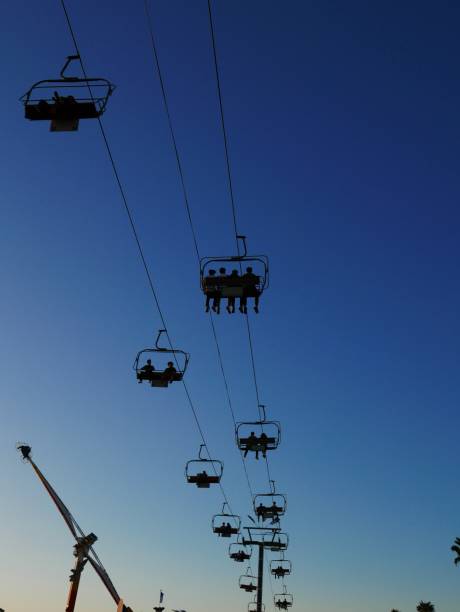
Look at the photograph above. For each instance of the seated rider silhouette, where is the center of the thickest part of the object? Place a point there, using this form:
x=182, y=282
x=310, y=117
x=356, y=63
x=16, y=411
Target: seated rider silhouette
x=147, y=369
x=234, y=281
x=252, y=445
x=210, y=289
x=250, y=281
x=170, y=372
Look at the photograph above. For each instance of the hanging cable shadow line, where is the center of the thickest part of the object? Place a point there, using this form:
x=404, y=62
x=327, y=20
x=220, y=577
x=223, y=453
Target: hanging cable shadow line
x=230, y=405
x=171, y=129
x=232, y=200
x=224, y=130
x=140, y=249
x=187, y=206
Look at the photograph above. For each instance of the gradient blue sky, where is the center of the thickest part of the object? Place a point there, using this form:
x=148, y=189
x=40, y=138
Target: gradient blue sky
x=344, y=140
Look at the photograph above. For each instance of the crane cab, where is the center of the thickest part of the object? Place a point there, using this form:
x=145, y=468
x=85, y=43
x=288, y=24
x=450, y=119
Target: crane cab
x=226, y=525
x=248, y=582
x=160, y=366
x=231, y=277
x=203, y=472
x=258, y=436
x=66, y=100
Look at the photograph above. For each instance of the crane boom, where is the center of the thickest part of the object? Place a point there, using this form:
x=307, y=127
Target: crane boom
x=83, y=549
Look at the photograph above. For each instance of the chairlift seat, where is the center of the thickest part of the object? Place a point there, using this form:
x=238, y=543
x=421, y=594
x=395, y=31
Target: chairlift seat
x=246, y=443
x=280, y=572
x=158, y=378
x=225, y=532
x=49, y=111
x=249, y=588
x=203, y=482
x=240, y=556
x=269, y=511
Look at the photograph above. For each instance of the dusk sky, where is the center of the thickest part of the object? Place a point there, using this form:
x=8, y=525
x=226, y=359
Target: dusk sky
x=344, y=134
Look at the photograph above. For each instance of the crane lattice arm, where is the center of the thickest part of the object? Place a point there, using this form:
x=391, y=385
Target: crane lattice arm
x=83, y=549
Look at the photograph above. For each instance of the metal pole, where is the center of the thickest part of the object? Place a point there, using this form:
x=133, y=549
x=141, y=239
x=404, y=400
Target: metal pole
x=260, y=578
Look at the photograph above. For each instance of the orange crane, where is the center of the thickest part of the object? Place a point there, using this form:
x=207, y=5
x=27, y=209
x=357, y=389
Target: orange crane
x=83, y=549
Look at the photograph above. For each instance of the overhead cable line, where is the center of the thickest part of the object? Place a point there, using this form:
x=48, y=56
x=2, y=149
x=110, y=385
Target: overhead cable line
x=232, y=201
x=189, y=215
x=138, y=243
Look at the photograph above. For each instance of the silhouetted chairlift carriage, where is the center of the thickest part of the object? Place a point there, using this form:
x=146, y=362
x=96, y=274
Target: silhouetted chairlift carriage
x=283, y=600
x=86, y=98
x=203, y=472
x=149, y=372
x=270, y=505
x=252, y=606
x=225, y=524
x=249, y=441
x=217, y=282
x=280, y=567
x=239, y=552
x=248, y=582
x=276, y=541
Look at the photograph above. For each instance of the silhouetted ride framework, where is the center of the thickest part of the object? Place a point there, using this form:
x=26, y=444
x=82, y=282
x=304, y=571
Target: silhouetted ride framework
x=270, y=505
x=64, y=113
x=83, y=549
x=268, y=440
x=280, y=567
x=283, y=600
x=236, y=283
x=247, y=581
x=226, y=525
x=239, y=552
x=164, y=376
x=45, y=100
x=196, y=471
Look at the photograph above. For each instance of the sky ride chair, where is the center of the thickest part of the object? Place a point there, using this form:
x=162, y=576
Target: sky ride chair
x=252, y=606
x=277, y=543
x=239, y=283
x=225, y=524
x=268, y=440
x=280, y=567
x=283, y=600
x=248, y=582
x=86, y=98
x=270, y=505
x=196, y=471
x=160, y=377
x=239, y=552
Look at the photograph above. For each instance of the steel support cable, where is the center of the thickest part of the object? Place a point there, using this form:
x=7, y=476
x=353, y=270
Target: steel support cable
x=189, y=215
x=232, y=201
x=139, y=246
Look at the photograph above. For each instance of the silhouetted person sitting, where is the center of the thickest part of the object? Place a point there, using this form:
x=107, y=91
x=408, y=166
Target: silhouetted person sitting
x=221, y=278
x=170, y=372
x=234, y=279
x=263, y=441
x=250, y=281
x=210, y=288
x=147, y=369
x=261, y=511
x=252, y=445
